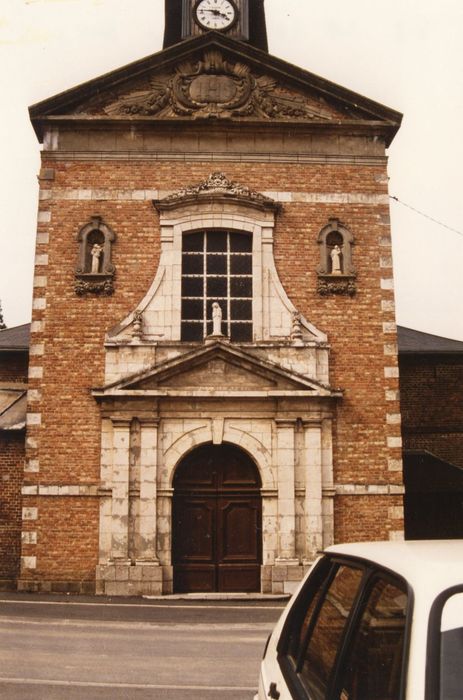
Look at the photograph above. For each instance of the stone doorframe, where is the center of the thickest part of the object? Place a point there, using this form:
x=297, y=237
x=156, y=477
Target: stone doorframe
x=139, y=458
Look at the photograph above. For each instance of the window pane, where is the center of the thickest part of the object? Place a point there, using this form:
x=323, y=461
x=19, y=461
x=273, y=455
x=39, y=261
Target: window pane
x=192, y=309
x=216, y=241
x=241, y=310
x=216, y=264
x=192, y=287
x=304, y=608
x=326, y=637
x=241, y=264
x=192, y=264
x=241, y=287
x=241, y=332
x=240, y=243
x=193, y=242
x=216, y=286
x=206, y=277
x=451, y=669
x=374, y=666
x=192, y=332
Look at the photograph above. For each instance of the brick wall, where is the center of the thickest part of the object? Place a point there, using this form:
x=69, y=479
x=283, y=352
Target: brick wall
x=431, y=390
x=13, y=366
x=67, y=351
x=11, y=473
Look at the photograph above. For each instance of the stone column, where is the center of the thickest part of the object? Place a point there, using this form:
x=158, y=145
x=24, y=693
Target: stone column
x=120, y=491
x=147, y=530
x=285, y=454
x=327, y=482
x=313, y=489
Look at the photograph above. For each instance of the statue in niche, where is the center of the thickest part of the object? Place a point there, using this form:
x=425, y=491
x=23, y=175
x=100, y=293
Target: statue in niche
x=94, y=271
x=336, y=264
x=216, y=319
x=96, y=252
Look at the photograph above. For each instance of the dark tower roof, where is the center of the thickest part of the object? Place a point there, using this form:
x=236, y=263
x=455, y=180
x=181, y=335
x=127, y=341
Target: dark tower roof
x=257, y=25
x=173, y=22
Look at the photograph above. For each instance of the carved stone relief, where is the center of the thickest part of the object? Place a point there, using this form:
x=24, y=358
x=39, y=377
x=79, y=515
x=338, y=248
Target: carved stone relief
x=215, y=87
x=217, y=184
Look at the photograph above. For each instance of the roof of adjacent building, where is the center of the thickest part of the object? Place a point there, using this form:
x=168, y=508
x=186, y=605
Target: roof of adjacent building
x=413, y=342
x=16, y=338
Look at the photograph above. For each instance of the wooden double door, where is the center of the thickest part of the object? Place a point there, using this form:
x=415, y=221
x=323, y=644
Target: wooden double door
x=217, y=522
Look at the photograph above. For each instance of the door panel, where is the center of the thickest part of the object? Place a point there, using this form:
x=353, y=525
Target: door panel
x=239, y=530
x=195, y=524
x=217, y=515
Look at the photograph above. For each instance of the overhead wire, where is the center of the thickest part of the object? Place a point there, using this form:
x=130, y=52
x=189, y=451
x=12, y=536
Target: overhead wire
x=426, y=216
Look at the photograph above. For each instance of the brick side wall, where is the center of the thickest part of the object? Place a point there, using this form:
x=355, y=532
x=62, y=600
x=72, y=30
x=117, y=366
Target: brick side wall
x=11, y=474
x=13, y=366
x=431, y=390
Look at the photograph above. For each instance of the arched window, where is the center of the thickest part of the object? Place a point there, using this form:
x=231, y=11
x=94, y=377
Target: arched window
x=95, y=271
x=336, y=273
x=217, y=269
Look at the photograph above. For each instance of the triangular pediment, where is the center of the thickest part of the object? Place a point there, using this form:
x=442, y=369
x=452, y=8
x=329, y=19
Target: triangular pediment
x=216, y=368
x=213, y=76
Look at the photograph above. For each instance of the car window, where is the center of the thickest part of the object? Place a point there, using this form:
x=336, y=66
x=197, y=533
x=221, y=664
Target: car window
x=302, y=613
x=373, y=669
x=326, y=631
x=451, y=649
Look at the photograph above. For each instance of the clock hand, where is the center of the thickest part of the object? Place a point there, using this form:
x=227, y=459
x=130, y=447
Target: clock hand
x=216, y=12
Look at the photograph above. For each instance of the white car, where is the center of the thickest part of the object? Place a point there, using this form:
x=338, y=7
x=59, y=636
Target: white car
x=372, y=621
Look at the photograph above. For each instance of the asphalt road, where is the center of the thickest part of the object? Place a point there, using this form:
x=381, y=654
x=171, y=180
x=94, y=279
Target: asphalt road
x=95, y=649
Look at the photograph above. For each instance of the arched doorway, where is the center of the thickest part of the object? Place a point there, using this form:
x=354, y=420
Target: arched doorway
x=217, y=522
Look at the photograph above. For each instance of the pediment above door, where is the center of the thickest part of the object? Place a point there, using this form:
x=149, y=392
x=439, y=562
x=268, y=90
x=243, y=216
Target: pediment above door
x=217, y=370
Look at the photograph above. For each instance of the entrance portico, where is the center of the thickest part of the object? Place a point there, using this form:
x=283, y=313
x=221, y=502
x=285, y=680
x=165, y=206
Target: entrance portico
x=219, y=398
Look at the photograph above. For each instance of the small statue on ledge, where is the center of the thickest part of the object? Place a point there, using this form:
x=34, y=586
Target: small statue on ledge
x=95, y=252
x=216, y=319
x=335, y=254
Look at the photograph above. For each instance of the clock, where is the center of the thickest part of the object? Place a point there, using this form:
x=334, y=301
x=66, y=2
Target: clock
x=215, y=14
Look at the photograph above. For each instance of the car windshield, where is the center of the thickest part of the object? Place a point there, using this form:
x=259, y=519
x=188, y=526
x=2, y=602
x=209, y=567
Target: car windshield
x=451, y=667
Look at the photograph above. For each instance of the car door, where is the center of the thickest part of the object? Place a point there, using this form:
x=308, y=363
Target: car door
x=346, y=635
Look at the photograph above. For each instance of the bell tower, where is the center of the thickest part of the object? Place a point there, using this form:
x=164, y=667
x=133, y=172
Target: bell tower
x=243, y=20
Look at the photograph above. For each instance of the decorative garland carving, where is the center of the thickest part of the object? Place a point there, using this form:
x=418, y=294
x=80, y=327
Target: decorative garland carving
x=344, y=287
x=215, y=87
x=104, y=287
x=217, y=184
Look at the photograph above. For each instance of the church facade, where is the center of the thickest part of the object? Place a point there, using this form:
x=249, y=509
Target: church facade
x=213, y=378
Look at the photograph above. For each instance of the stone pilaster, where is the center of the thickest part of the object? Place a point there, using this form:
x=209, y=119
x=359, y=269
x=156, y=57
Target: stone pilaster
x=328, y=490
x=120, y=490
x=313, y=489
x=147, y=529
x=285, y=455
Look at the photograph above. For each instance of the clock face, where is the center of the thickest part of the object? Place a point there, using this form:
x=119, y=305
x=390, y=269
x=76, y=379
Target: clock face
x=215, y=14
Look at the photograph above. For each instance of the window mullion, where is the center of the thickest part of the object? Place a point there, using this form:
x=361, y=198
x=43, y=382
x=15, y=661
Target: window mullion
x=228, y=287
x=204, y=284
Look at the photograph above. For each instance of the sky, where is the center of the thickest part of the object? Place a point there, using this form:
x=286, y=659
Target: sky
x=406, y=54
